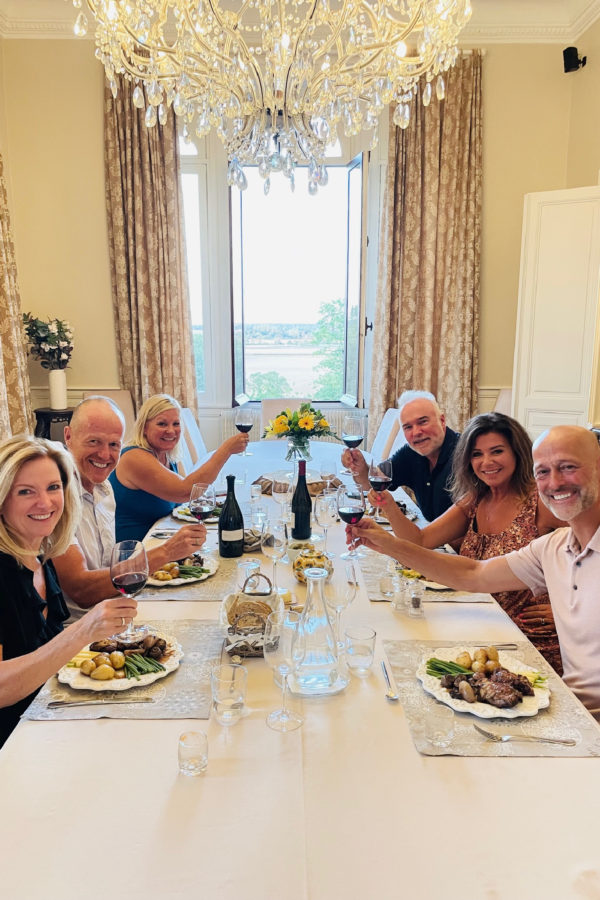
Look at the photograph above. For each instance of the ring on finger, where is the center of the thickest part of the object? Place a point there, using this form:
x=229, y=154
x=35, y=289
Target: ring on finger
x=122, y=622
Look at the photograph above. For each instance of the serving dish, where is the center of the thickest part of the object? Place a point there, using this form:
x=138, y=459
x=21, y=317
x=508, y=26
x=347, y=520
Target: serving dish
x=74, y=678
x=529, y=706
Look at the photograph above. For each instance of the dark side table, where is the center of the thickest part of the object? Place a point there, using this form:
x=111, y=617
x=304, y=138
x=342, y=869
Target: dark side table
x=45, y=418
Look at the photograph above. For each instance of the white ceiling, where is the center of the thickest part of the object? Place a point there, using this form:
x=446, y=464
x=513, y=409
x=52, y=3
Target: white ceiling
x=502, y=21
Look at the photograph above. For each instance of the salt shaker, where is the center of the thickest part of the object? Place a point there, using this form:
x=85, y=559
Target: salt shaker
x=415, y=600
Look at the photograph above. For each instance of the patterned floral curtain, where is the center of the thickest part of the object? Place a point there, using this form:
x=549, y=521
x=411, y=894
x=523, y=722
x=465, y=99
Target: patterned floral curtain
x=427, y=319
x=15, y=399
x=147, y=252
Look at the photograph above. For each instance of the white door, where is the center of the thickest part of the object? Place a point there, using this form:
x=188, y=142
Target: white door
x=556, y=348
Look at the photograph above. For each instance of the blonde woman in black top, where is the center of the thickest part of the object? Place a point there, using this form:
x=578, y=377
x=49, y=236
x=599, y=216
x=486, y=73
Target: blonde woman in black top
x=39, y=511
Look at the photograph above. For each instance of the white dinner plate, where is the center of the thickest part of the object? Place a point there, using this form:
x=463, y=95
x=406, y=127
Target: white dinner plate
x=212, y=564
x=529, y=706
x=74, y=678
x=184, y=515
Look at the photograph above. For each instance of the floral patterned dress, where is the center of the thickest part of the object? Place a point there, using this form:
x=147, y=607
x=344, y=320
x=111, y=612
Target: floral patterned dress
x=520, y=532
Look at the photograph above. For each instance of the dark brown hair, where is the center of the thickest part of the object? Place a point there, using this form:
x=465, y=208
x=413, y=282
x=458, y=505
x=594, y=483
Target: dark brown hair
x=464, y=482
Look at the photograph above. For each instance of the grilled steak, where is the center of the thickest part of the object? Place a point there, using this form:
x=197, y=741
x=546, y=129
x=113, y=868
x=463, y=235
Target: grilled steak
x=518, y=682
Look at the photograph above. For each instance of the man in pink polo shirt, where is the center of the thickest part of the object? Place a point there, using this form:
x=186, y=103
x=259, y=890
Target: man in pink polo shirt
x=565, y=563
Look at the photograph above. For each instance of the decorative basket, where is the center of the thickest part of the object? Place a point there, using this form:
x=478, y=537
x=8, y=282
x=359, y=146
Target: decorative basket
x=244, y=614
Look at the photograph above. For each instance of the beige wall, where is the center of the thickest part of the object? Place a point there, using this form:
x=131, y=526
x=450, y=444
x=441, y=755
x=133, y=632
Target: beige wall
x=52, y=104
x=584, y=125
x=52, y=101
x=526, y=100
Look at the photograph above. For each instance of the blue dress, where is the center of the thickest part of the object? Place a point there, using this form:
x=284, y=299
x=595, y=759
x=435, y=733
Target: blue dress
x=137, y=510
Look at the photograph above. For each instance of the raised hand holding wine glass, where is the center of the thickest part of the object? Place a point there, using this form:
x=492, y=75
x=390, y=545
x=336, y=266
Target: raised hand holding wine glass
x=283, y=651
x=129, y=574
x=380, y=478
x=351, y=509
x=202, y=501
x=244, y=420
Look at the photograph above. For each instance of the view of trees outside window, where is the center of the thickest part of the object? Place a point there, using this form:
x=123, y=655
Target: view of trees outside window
x=295, y=288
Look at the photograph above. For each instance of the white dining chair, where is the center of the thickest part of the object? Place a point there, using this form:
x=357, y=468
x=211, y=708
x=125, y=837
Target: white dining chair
x=271, y=408
x=192, y=437
x=388, y=434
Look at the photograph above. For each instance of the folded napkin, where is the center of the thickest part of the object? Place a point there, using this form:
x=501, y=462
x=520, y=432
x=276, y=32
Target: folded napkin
x=251, y=540
x=314, y=487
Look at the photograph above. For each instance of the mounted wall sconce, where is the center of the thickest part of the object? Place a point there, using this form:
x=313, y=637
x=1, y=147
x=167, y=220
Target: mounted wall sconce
x=571, y=59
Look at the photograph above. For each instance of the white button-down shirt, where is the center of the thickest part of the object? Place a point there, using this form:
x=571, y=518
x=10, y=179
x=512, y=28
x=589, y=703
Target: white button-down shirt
x=96, y=532
x=571, y=575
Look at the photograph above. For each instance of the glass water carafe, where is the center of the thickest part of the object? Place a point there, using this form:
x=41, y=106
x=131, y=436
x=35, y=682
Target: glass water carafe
x=319, y=672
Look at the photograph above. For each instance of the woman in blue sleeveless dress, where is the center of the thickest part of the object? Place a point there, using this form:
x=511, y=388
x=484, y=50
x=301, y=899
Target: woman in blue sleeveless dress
x=145, y=482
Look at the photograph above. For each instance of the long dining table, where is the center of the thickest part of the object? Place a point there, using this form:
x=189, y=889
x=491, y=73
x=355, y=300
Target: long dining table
x=345, y=807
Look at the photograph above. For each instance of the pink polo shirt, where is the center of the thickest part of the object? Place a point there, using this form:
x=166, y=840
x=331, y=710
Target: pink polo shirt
x=556, y=563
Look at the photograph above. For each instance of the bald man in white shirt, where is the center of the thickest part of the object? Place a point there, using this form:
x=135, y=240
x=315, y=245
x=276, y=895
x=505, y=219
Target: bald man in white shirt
x=94, y=438
x=565, y=563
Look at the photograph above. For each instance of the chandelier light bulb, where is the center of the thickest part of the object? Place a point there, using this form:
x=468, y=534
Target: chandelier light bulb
x=277, y=79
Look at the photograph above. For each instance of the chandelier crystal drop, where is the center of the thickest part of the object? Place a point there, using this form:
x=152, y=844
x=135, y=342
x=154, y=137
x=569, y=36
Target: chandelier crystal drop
x=279, y=80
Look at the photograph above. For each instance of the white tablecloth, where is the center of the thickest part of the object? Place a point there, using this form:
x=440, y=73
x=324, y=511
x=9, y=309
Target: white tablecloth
x=342, y=808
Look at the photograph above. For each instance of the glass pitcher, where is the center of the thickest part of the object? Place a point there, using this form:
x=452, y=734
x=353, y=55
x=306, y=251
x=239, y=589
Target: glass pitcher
x=319, y=672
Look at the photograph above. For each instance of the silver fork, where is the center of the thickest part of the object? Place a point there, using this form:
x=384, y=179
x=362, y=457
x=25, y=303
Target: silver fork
x=525, y=738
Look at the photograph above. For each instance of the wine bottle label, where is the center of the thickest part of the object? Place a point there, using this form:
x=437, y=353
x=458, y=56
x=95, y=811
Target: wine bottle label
x=293, y=520
x=233, y=535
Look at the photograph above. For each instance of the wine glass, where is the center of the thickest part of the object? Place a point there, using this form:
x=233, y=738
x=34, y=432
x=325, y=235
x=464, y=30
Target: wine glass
x=351, y=509
x=326, y=514
x=129, y=574
x=283, y=651
x=273, y=542
x=380, y=478
x=202, y=501
x=282, y=491
x=352, y=434
x=328, y=472
x=244, y=420
x=337, y=600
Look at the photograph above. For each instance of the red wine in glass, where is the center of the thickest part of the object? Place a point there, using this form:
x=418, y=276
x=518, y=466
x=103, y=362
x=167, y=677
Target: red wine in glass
x=352, y=441
x=243, y=428
x=350, y=514
x=380, y=483
x=202, y=509
x=130, y=583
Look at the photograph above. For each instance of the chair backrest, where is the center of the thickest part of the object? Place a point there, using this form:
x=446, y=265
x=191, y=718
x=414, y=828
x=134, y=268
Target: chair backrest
x=123, y=401
x=271, y=408
x=387, y=434
x=192, y=437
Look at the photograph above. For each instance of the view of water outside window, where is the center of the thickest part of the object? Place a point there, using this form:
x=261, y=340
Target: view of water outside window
x=295, y=288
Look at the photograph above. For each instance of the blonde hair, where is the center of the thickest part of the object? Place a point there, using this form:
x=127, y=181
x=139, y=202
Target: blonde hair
x=14, y=453
x=152, y=408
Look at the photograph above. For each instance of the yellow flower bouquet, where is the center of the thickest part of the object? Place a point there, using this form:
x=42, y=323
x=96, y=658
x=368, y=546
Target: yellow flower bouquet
x=299, y=427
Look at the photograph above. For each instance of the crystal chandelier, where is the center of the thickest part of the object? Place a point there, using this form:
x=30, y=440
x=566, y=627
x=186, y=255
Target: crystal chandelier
x=277, y=79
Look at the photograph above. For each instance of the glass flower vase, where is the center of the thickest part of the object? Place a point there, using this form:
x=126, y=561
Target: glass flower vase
x=298, y=448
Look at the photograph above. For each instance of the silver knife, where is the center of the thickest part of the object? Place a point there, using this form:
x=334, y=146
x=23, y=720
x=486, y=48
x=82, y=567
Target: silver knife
x=58, y=704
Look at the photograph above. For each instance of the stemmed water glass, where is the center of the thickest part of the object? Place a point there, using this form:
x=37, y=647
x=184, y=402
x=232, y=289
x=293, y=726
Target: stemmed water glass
x=129, y=573
x=337, y=600
x=326, y=514
x=283, y=649
x=282, y=491
x=380, y=478
x=273, y=544
x=351, y=509
x=244, y=420
x=328, y=472
x=202, y=503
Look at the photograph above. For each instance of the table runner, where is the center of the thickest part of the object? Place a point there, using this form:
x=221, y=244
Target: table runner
x=373, y=565
x=184, y=694
x=564, y=718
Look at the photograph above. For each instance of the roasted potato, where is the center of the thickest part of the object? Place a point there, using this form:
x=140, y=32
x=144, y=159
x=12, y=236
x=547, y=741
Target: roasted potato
x=103, y=673
x=102, y=659
x=119, y=673
x=117, y=659
x=491, y=666
x=464, y=659
x=480, y=656
x=87, y=666
x=491, y=652
x=478, y=666
x=161, y=575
